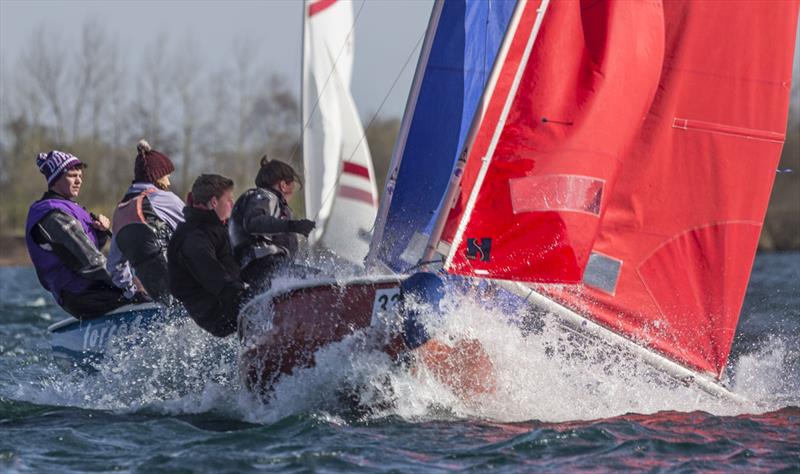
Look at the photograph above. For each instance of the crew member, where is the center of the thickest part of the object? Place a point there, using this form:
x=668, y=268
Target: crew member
x=143, y=224
x=64, y=242
x=203, y=274
x=263, y=233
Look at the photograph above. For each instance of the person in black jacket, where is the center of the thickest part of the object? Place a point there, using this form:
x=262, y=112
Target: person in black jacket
x=263, y=232
x=203, y=274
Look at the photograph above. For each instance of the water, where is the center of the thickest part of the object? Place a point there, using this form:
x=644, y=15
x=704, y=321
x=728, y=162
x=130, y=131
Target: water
x=176, y=404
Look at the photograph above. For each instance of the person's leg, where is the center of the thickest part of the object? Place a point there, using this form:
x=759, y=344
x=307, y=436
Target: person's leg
x=96, y=301
x=153, y=275
x=258, y=274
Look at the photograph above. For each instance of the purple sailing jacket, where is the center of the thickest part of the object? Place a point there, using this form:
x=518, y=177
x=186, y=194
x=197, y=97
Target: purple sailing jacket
x=53, y=274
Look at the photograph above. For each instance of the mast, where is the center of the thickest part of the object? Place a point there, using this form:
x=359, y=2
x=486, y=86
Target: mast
x=303, y=76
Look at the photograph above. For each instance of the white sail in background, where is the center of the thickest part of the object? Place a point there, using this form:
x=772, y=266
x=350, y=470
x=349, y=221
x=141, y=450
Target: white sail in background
x=340, y=190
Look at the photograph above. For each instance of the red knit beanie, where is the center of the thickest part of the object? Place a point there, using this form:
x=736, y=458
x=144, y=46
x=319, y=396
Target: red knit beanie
x=151, y=165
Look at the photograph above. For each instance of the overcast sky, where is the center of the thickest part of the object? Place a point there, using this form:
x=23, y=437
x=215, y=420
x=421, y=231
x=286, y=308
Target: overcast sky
x=386, y=33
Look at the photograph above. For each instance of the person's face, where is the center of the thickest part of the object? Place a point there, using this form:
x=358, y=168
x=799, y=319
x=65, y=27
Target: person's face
x=223, y=206
x=69, y=184
x=287, y=188
x=163, y=183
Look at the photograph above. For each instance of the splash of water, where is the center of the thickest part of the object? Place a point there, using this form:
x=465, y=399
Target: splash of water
x=544, y=374
x=547, y=374
x=145, y=368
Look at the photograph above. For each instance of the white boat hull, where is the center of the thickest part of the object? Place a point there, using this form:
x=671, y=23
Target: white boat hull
x=81, y=343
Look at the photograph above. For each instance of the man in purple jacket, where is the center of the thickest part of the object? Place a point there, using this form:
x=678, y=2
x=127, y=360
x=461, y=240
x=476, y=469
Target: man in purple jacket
x=64, y=242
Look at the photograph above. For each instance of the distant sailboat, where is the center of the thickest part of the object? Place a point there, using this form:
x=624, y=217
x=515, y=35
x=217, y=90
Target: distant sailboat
x=340, y=190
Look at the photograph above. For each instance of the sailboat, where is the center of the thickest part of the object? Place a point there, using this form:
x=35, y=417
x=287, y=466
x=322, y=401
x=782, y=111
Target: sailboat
x=340, y=190
x=614, y=171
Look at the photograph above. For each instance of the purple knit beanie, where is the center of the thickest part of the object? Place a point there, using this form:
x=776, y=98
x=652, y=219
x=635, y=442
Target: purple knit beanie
x=56, y=163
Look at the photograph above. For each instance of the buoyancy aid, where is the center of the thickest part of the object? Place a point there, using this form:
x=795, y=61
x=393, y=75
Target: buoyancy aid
x=53, y=273
x=139, y=232
x=247, y=246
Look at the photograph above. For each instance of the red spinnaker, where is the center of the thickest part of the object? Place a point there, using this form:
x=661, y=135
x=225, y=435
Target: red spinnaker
x=659, y=218
x=578, y=101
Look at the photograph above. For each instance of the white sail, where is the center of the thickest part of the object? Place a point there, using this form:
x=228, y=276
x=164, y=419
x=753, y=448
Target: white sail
x=340, y=190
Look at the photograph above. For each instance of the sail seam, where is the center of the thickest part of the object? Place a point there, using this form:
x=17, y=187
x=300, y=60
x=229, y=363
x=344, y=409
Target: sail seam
x=692, y=229
x=731, y=130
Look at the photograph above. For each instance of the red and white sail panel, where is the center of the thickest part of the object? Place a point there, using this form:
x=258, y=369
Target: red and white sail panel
x=673, y=257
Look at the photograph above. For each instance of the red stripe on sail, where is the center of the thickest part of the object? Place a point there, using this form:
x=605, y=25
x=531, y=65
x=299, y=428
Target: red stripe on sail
x=358, y=170
x=356, y=194
x=319, y=6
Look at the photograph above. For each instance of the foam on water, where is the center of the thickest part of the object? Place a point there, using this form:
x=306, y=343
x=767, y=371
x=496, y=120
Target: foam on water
x=544, y=374
x=168, y=362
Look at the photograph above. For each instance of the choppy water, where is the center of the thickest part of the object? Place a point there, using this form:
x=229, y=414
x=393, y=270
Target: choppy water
x=176, y=405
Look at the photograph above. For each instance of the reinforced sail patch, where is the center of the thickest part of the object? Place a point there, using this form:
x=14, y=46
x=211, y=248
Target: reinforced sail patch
x=602, y=272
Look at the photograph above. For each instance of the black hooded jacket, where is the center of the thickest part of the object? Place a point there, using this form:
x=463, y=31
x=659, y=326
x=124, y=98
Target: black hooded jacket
x=203, y=274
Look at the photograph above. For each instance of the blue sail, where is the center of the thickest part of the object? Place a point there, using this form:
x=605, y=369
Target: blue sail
x=466, y=39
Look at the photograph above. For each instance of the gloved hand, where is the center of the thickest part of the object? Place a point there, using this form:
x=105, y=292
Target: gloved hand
x=302, y=226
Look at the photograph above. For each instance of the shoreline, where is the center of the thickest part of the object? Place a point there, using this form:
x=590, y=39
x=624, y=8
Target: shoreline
x=13, y=251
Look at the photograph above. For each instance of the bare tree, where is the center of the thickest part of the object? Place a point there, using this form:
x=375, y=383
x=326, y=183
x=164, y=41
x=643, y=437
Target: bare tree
x=216, y=135
x=275, y=116
x=152, y=89
x=117, y=95
x=90, y=75
x=6, y=108
x=43, y=63
x=185, y=77
x=244, y=52
x=27, y=100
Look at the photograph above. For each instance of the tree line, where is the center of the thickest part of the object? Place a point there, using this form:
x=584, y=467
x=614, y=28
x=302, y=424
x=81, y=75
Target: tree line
x=96, y=102
x=93, y=100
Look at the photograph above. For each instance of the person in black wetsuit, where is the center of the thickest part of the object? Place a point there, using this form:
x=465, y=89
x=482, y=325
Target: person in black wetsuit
x=263, y=232
x=203, y=274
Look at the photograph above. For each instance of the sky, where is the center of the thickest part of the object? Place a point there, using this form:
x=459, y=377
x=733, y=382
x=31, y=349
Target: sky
x=385, y=35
